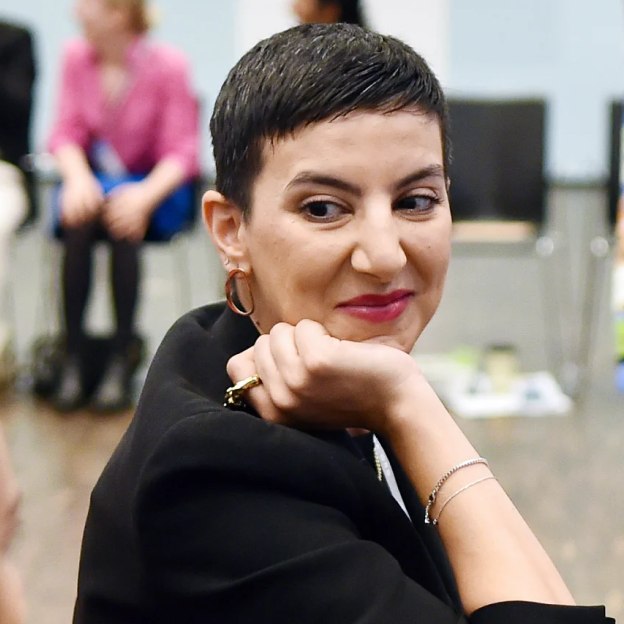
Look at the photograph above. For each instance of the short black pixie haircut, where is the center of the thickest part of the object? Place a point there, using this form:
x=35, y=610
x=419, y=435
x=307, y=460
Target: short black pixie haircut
x=350, y=11
x=305, y=75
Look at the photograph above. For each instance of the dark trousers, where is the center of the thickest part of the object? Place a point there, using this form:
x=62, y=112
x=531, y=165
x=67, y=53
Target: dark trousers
x=79, y=243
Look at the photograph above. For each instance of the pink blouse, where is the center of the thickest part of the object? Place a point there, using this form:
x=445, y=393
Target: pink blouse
x=156, y=117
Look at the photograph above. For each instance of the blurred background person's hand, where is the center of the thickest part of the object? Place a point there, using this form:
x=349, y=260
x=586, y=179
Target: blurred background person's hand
x=127, y=212
x=81, y=199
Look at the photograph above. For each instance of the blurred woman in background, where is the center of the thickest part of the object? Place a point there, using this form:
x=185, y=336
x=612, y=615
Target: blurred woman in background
x=126, y=109
x=329, y=11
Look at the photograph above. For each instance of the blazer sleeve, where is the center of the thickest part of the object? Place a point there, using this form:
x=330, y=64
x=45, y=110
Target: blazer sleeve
x=523, y=612
x=234, y=527
x=243, y=521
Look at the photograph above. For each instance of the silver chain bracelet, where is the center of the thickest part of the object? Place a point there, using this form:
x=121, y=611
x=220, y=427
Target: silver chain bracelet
x=462, y=489
x=442, y=481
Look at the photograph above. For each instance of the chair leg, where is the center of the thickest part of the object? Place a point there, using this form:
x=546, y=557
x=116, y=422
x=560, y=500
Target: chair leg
x=546, y=248
x=9, y=305
x=599, y=251
x=48, y=312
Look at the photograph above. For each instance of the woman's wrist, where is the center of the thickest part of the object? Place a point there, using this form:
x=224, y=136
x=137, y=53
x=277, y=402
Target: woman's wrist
x=163, y=180
x=426, y=438
x=152, y=195
x=73, y=164
x=416, y=405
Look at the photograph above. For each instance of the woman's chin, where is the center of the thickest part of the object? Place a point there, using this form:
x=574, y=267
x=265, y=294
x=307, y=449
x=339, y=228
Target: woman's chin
x=401, y=340
x=389, y=341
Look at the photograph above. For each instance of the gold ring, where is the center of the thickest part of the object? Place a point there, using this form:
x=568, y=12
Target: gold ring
x=234, y=394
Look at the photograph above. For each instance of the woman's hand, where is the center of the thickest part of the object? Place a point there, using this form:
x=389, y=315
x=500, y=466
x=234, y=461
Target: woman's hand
x=127, y=211
x=81, y=199
x=311, y=379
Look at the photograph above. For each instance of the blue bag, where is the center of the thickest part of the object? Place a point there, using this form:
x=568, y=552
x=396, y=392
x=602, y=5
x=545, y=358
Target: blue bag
x=174, y=215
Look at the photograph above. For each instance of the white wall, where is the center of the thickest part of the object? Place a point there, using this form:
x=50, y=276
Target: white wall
x=257, y=20
x=424, y=24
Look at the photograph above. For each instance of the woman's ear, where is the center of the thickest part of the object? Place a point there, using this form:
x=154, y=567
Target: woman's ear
x=224, y=221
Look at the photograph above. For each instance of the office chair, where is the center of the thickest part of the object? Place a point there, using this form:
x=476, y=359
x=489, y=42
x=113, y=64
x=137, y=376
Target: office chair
x=601, y=246
x=498, y=194
x=48, y=346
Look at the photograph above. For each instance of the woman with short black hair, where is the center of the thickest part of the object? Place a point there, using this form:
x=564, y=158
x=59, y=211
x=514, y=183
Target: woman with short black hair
x=288, y=462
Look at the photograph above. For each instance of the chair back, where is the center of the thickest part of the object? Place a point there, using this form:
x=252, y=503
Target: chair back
x=497, y=169
x=614, y=183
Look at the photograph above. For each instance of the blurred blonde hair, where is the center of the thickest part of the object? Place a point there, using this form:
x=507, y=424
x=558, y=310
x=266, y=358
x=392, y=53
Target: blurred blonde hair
x=141, y=14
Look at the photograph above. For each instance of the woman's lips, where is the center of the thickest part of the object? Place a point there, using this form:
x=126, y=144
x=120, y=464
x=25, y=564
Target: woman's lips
x=378, y=308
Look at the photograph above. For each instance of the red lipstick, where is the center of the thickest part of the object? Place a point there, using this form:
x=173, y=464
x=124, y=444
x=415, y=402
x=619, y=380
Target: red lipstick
x=378, y=308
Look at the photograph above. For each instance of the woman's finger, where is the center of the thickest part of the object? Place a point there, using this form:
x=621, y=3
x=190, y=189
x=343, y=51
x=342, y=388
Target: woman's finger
x=286, y=356
x=93, y=203
x=273, y=380
x=114, y=211
x=242, y=366
x=316, y=348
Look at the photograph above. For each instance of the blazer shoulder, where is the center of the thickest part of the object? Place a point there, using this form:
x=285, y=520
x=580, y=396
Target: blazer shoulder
x=232, y=446
x=222, y=439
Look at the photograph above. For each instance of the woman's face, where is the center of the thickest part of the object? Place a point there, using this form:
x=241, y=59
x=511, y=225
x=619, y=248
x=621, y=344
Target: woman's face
x=350, y=226
x=312, y=12
x=99, y=19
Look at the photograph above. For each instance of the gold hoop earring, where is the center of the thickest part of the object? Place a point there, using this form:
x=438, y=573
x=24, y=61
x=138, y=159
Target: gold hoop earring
x=229, y=293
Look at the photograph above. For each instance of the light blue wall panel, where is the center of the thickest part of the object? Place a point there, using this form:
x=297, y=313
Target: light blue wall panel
x=570, y=51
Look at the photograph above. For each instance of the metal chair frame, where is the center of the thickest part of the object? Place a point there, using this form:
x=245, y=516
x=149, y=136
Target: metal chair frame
x=498, y=153
x=601, y=247
x=178, y=245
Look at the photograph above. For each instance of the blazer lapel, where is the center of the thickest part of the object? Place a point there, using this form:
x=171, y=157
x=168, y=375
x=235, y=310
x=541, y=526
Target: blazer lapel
x=419, y=552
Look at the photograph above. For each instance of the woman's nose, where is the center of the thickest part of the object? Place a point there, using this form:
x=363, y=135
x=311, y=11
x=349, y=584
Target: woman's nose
x=378, y=250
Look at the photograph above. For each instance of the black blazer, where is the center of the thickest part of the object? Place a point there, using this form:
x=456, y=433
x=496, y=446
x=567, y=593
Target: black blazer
x=17, y=76
x=209, y=515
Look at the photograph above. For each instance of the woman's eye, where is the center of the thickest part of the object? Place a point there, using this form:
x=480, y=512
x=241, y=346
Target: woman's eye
x=417, y=203
x=322, y=210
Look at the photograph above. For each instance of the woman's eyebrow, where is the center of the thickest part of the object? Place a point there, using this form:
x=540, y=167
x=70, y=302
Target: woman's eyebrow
x=320, y=179
x=432, y=171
